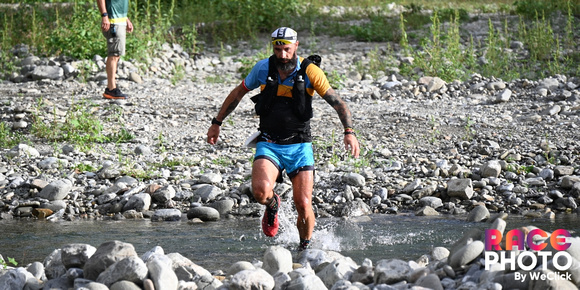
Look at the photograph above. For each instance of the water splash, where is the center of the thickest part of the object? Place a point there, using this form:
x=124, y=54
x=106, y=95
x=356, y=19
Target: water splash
x=335, y=234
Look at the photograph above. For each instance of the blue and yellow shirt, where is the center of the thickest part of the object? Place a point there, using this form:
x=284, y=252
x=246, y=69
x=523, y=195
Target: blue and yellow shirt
x=315, y=79
x=117, y=10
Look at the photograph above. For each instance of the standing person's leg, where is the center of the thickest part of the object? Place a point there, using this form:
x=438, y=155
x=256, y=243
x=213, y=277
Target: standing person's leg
x=115, y=49
x=111, y=68
x=302, y=186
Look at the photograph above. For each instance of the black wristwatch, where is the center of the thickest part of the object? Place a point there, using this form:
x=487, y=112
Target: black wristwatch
x=215, y=121
x=105, y=14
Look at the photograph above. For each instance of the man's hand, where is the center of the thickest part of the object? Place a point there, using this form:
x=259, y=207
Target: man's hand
x=105, y=24
x=213, y=134
x=351, y=144
x=129, y=25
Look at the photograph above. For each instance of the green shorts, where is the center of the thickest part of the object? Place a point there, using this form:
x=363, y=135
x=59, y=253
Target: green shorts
x=116, y=36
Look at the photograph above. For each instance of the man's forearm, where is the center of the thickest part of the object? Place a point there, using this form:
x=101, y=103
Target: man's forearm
x=231, y=102
x=332, y=98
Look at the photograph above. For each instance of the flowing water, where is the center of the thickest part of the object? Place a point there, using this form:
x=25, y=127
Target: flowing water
x=216, y=245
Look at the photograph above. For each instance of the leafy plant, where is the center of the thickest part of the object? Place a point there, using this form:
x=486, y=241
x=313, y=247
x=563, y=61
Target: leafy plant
x=8, y=138
x=5, y=263
x=177, y=74
x=80, y=126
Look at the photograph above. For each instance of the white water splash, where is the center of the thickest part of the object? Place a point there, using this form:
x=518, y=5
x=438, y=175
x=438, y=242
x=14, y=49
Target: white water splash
x=332, y=234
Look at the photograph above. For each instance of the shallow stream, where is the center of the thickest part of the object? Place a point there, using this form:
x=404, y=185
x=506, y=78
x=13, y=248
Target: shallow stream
x=216, y=245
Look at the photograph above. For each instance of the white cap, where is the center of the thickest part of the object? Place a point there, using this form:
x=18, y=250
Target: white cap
x=284, y=35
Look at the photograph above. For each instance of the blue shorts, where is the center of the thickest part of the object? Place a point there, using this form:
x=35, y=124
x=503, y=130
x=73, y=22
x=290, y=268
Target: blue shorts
x=293, y=157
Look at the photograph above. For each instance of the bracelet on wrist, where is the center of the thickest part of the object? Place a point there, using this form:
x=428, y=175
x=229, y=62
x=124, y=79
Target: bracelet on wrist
x=104, y=14
x=215, y=121
x=349, y=131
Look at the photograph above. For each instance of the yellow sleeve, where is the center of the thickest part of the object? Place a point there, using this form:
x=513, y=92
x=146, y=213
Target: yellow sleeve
x=318, y=80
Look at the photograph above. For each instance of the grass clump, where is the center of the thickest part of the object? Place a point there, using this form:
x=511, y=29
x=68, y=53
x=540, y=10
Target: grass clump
x=9, y=138
x=80, y=126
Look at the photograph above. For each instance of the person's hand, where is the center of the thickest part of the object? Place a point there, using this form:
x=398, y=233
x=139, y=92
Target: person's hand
x=105, y=24
x=213, y=134
x=351, y=144
x=129, y=26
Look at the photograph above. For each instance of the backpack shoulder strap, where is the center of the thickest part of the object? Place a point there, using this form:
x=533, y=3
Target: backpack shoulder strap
x=303, y=65
x=272, y=72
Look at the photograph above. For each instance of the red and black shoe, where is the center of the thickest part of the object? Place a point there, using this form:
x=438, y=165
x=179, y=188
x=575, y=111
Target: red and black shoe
x=114, y=94
x=270, y=223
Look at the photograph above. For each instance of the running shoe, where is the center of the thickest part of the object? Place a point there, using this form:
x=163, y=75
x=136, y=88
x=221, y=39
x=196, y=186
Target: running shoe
x=114, y=94
x=270, y=220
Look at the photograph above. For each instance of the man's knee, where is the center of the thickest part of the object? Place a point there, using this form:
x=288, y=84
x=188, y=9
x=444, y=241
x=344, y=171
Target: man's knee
x=303, y=204
x=261, y=190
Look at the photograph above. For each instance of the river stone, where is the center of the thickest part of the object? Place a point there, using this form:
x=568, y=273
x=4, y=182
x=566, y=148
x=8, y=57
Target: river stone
x=166, y=214
x=139, y=202
x=210, y=178
x=337, y=270
x=491, y=168
x=430, y=281
x=125, y=285
x=277, y=259
x=164, y=194
x=356, y=208
x=471, y=235
x=478, y=213
x=431, y=201
x=354, y=179
x=439, y=253
x=76, y=255
x=426, y=211
x=390, y=271
x=252, y=279
x=466, y=254
x=569, y=181
x=223, y=206
x=562, y=170
x=239, y=266
x=207, y=193
x=37, y=270
x=204, y=213
x=161, y=272
x=15, y=278
x=54, y=205
x=23, y=150
x=364, y=273
x=47, y=72
x=316, y=257
x=107, y=254
x=56, y=190
x=142, y=150
x=131, y=269
x=187, y=270
x=305, y=279
x=461, y=188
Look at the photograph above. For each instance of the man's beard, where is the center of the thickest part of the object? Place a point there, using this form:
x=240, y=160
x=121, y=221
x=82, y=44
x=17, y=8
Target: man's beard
x=287, y=66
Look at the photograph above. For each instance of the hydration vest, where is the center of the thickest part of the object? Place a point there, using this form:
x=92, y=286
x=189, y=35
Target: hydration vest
x=301, y=102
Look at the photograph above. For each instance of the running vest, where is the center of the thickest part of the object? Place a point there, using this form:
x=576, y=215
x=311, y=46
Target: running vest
x=301, y=102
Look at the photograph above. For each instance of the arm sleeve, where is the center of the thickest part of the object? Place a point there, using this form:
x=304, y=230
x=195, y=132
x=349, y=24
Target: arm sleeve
x=317, y=79
x=257, y=75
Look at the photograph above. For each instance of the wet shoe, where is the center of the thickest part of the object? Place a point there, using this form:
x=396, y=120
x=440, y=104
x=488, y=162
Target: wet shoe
x=270, y=220
x=304, y=244
x=114, y=94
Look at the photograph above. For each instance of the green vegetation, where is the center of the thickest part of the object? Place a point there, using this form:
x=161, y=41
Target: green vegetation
x=434, y=40
x=80, y=126
x=4, y=264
